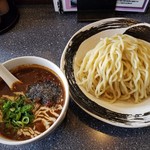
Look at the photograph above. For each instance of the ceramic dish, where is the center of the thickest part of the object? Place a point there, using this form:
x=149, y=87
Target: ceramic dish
x=29, y=60
x=119, y=114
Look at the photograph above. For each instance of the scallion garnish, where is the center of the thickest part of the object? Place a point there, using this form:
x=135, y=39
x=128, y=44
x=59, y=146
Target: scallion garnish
x=17, y=113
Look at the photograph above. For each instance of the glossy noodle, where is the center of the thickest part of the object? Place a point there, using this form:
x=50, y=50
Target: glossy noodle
x=118, y=68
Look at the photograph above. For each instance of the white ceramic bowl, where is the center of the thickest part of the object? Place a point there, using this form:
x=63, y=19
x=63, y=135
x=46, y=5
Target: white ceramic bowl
x=120, y=113
x=13, y=63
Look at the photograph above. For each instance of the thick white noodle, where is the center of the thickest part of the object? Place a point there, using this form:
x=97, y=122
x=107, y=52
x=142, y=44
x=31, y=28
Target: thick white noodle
x=118, y=68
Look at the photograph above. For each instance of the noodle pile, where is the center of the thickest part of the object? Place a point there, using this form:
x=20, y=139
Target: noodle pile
x=118, y=68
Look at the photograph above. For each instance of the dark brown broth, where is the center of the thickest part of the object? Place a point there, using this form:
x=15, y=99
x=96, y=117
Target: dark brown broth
x=28, y=75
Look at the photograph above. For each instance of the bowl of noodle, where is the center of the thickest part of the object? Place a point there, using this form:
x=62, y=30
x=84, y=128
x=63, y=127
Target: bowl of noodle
x=107, y=64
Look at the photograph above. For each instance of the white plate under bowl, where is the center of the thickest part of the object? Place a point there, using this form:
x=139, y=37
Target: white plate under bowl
x=120, y=114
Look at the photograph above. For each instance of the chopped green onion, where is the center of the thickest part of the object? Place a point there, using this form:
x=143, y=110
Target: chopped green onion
x=18, y=123
x=17, y=113
x=18, y=116
x=12, y=109
x=25, y=120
